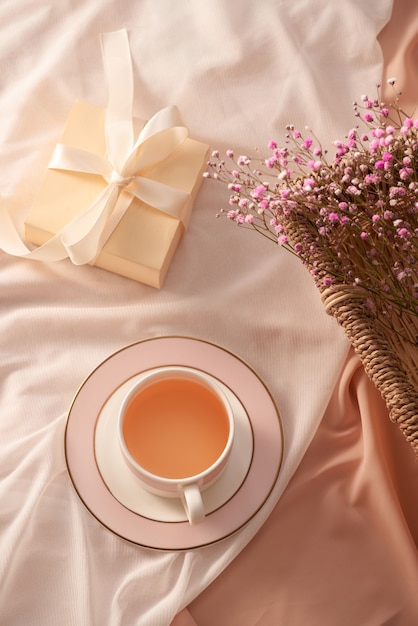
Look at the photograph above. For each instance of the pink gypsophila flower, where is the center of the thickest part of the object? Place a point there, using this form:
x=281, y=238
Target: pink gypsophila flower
x=258, y=192
x=378, y=132
x=308, y=183
x=271, y=162
x=405, y=173
x=284, y=174
x=334, y=217
x=371, y=178
x=314, y=165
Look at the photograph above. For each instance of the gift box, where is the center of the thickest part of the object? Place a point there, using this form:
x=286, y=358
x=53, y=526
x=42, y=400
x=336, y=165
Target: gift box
x=142, y=244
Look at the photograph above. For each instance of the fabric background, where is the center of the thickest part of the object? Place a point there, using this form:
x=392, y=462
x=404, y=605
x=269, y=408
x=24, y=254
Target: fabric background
x=239, y=72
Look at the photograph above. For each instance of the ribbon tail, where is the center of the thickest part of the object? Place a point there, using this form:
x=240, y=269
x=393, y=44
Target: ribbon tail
x=119, y=124
x=11, y=242
x=84, y=236
x=81, y=239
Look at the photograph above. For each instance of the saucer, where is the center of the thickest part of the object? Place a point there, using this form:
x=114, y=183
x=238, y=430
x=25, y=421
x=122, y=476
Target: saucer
x=86, y=418
x=126, y=488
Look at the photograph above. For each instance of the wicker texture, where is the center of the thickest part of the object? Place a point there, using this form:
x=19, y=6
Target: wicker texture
x=390, y=362
x=388, y=351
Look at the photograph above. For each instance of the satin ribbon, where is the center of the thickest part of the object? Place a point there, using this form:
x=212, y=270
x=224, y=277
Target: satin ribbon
x=126, y=158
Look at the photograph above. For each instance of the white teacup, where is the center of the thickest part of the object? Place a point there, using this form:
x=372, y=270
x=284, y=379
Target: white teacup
x=176, y=430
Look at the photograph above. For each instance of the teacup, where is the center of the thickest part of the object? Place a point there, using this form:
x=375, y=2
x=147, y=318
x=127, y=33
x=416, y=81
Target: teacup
x=176, y=430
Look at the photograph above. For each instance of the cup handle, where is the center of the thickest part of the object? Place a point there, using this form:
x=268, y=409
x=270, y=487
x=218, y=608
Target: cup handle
x=192, y=502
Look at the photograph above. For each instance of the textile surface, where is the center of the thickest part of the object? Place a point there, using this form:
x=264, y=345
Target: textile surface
x=239, y=72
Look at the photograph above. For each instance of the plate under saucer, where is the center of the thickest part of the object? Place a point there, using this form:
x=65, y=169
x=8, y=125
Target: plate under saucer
x=121, y=368
x=126, y=488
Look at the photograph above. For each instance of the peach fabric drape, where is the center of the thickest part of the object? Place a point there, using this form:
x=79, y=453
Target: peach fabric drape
x=341, y=545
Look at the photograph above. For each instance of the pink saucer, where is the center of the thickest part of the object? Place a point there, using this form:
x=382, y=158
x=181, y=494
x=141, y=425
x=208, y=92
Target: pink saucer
x=124, y=365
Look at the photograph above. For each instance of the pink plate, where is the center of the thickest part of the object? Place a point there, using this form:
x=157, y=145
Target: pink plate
x=124, y=365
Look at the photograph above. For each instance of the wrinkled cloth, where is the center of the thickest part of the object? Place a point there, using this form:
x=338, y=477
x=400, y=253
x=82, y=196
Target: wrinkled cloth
x=239, y=72
x=341, y=545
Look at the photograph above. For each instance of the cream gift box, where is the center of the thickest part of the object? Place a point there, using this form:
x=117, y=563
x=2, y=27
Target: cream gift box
x=143, y=243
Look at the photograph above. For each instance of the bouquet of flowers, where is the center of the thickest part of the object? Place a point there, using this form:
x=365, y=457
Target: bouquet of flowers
x=352, y=219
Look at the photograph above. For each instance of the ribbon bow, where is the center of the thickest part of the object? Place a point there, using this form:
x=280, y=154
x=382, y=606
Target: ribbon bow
x=126, y=157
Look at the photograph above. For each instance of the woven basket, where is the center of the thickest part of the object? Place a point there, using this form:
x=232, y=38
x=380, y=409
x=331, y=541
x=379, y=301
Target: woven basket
x=389, y=360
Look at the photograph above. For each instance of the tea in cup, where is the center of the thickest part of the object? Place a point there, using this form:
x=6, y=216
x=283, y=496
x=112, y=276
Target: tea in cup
x=176, y=430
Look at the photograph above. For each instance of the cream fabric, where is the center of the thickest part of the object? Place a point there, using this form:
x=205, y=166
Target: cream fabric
x=239, y=72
